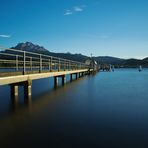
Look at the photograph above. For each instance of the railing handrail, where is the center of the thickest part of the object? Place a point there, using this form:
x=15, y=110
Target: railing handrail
x=34, y=53
x=20, y=58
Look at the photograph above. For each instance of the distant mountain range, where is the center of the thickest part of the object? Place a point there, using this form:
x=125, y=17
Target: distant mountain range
x=28, y=46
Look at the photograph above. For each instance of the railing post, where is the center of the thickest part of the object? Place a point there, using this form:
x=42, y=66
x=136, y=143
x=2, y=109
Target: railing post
x=31, y=63
x=69, y=66
x=51, y=64
x=80, y=66
x=16, y=62
x=40, y=63
x=24, y=63
x=64, y=65
x=59, y=65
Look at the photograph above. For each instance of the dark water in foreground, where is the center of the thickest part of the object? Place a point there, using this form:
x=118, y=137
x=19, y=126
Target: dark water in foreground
x=108, y=110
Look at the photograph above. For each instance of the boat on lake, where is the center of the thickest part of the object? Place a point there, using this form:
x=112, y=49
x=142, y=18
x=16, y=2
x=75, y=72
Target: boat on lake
x=140, y=68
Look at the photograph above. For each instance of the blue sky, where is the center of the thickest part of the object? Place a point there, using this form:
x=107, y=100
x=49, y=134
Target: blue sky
x=101, y=27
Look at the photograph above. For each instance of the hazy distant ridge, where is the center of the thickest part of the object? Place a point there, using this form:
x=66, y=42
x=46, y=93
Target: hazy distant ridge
x=28, y=46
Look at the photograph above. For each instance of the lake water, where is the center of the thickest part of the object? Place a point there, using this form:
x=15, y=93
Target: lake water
x=106, y=110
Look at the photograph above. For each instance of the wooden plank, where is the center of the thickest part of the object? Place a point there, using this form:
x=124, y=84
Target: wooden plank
x=21, y=78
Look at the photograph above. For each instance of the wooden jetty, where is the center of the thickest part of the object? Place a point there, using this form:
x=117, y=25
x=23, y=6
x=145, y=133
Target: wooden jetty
x=20, y=68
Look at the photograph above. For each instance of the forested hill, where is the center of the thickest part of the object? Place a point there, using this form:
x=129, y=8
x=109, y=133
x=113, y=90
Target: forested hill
x=28, y=46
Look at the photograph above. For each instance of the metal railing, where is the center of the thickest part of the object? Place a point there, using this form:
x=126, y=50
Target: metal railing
x=24, y=61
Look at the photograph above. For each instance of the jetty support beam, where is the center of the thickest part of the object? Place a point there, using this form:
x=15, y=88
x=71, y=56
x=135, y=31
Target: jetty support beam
x=55, y=81
x=27, y=89
x=14, y=92
x=70, y=77
x=76, y=75
x=63, y=79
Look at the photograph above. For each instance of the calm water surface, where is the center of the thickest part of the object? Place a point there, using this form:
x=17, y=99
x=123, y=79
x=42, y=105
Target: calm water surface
x=107, y=110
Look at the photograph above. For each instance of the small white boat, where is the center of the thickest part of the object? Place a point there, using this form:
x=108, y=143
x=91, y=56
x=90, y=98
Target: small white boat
x=110, y=68
x=140, y=68
x=113, y=68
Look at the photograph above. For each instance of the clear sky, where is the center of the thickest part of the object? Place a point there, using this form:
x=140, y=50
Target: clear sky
x=101, y=27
